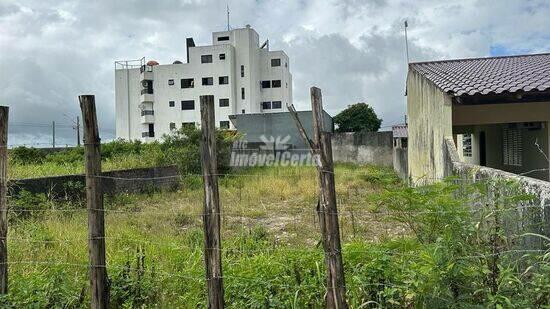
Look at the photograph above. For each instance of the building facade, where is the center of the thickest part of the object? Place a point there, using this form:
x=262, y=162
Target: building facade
x=243, y=76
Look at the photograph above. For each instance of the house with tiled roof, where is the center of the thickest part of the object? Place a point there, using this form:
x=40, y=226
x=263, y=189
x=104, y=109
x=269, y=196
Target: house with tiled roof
x=496, y=110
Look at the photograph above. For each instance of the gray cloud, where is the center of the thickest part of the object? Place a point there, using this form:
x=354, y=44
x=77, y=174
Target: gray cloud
x=51, y=51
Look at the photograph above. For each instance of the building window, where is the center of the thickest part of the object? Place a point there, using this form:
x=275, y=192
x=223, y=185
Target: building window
x=511, y=147
x=206, y=59
x=172, y=126
x=242, y=111
x=242, y=93
x=208, y=81
x=265, y=84
x=223, y=38
x=467, y=145
x=187, y=105
x=170, y=82
x=242, y=70
x=187, y=83
x=187, y=125
x=224, y=80
x=276, y=83
x=276, y=104
x=266, y=105
x=172, y=103
x=224, y=125
x=222, y=56
x=404, y=143
x=276, y=62
x=224, y=102
x=147, y=87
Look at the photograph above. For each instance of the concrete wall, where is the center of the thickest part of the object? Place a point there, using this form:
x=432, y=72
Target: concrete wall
x=278, y=127
x=363, y=148
x=531, y=216
x=136, y=182
x=430, y=119
x=400, y=162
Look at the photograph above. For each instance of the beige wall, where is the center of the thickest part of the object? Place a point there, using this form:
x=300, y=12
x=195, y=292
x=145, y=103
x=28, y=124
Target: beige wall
x=500, y=113
x=430, y=120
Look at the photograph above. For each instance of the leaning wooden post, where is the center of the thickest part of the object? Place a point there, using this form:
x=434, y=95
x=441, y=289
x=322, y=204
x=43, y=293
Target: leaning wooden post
x=211, y=216
x=94, y=199
x=3, y=199
x=328, y=212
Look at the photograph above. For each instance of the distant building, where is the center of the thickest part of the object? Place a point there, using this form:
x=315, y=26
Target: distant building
x=496, y=110
x=152, y=99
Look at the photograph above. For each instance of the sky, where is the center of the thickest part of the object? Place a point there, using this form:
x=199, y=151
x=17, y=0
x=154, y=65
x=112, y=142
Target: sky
x=51, y=51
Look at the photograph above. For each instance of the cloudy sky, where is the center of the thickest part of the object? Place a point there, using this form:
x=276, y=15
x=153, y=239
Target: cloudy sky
x=53, y=50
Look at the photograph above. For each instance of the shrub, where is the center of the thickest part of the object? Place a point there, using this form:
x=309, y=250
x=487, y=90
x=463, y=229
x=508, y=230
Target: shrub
x=24, y=155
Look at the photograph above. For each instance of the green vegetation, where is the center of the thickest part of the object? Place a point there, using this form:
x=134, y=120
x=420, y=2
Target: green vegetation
x=357, y=117
x=403, y=247
x=180, y=148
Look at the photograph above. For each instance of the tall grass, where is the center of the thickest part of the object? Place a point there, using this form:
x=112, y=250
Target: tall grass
x=271, y=251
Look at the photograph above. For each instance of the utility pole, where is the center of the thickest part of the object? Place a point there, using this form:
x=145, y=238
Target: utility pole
x=78, y=131
x=53, y=134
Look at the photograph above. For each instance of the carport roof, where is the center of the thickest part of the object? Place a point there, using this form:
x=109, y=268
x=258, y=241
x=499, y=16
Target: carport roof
x=494, y=75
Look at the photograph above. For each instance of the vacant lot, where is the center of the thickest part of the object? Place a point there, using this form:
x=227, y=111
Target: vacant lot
x=271, y=251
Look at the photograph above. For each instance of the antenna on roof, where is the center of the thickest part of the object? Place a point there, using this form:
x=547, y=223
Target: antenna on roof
x=228, y=28
x=406, y=41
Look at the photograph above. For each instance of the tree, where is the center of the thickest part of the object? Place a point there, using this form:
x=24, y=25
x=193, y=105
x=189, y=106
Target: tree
x=357, y=117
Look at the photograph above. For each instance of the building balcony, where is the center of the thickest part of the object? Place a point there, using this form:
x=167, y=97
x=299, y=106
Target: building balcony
x=147, y=116
x=146, y=75
x=148, y=134
x=146, y=97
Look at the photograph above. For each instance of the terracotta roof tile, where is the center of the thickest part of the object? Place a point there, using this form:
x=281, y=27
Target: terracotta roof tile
x=488, y=75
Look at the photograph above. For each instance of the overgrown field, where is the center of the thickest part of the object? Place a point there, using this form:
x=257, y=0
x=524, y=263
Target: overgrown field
x=402, y=247
x=180, y=148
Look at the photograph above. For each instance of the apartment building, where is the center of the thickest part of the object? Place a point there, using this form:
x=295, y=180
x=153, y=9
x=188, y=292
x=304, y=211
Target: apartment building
x=243, y=76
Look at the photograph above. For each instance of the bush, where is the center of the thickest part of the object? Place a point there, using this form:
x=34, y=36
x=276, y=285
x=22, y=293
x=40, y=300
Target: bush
x=24, y=155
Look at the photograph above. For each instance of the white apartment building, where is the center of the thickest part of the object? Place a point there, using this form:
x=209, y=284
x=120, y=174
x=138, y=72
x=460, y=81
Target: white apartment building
x=152, y=99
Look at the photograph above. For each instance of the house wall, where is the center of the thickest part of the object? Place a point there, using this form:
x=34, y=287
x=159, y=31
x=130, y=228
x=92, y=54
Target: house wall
x=430, y=120
x=534, y=160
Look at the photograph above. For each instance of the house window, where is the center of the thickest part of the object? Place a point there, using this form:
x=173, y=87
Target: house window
x=266, y=105
x=224, y=102
x=187, y=83
x=242, y=93
x=172, y=103
x=208, y=81
x=467, y=145
x=187, y=105
x=206, y=59
x=511, y=147
x=172, y=126
x=224, y=125
x=266, y=84
x=276, y=83
x=242, y=70
x=223, y=38
x=222, y=56
x=170, y=82
x=276, y=104
x=187, y=125
x=276, y=62
x=223, y=80
x=403, y=142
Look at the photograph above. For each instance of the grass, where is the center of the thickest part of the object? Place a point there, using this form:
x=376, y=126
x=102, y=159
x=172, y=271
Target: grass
x=268, y=221
x=271, y=254
x=46, y=169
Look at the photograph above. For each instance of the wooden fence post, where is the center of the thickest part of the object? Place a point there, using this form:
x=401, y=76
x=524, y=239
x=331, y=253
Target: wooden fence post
x=328, y=212
x=211, y=216
x=94, y=199
x=4, y=110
